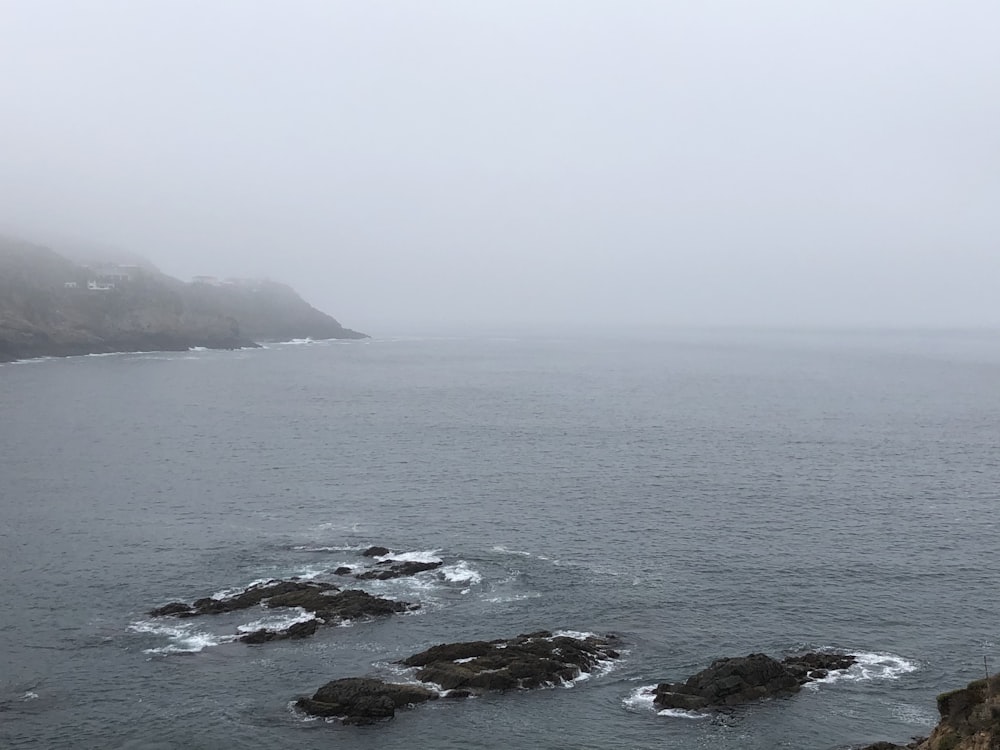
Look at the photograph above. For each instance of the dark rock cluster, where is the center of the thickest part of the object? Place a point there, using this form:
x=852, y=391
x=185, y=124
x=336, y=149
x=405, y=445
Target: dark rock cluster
x=359, y=700
x=327, y=603
x=531, y=660
x=727, y=682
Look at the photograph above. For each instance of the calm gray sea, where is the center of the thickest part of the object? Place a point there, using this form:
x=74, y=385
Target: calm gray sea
x=701, y=494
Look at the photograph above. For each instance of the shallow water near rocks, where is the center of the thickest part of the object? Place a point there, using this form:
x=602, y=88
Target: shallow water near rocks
x=698, y=494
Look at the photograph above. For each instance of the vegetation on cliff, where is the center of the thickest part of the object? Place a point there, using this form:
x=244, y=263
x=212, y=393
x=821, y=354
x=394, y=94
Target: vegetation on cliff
x=970, y=720
x=53, y=306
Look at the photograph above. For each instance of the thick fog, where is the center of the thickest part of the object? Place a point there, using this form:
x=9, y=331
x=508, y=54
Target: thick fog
x=830, y=162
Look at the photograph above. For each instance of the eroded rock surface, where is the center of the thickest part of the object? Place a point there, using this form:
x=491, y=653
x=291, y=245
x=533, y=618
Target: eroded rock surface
x=327, y=603
x=743, y=679
x=527, y=661
x=397, y=569
x=359, y=700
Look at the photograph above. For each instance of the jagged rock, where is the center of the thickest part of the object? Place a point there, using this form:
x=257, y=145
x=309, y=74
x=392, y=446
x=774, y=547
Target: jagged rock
x=397, y=569
x=375, y=552
x=325, y=601
x=731, y=681
x=528, y=661
x=298, y=630
x=357, y=700
x=343, y=570
x=815, y=665
x=177, y=609
x=728, y=682
x=250, y=597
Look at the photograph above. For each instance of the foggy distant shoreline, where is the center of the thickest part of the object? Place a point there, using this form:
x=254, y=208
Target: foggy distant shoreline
x=51, y=306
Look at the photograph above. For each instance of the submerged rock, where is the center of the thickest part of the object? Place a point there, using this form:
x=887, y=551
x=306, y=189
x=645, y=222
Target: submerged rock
x=731, y=681
x=359, y=700
x=528, y=661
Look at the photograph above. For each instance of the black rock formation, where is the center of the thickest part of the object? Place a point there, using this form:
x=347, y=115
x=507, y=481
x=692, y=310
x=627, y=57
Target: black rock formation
x=730, y=681
x=327, y=603
x=528, y=661
x=358, y=700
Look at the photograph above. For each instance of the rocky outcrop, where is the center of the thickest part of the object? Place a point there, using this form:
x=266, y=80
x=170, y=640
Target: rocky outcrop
x=528, y=661
x=397, y=569
x=358, y=700
x=327, y=603
x=731, y=681
x=47, y=309
x=970, y=720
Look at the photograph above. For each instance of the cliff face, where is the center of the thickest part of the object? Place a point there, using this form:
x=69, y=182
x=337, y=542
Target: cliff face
x=970, y=720
x=48, y=309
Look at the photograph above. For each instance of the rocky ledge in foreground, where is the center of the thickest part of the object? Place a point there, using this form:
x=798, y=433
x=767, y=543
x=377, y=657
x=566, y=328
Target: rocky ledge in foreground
x=532, y=660
x=326, y=602
x=731, y=681
x=970, y=720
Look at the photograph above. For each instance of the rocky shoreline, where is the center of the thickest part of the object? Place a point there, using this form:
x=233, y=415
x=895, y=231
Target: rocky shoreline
x=51, y=306
x=970, y=717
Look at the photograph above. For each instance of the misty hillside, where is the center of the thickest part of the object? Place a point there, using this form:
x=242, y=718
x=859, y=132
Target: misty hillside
x=53, y=306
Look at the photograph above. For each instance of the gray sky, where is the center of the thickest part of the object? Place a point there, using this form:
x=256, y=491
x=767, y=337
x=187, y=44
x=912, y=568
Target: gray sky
x=813, y=162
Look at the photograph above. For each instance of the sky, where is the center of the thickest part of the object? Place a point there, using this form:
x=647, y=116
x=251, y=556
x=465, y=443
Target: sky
x=524, y=162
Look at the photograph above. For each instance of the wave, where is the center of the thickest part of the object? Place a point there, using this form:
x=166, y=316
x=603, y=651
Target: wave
x=184, y=638
x=424, y=556
x=237, y=590
x=641, y=699
x=323, y=548
x=278, y=621
x=869, y=666
x=521, y=553
x=461, y=572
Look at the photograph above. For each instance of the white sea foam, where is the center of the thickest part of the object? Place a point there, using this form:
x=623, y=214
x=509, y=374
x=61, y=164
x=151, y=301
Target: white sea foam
x=511, y=598
x=427, y=556
x=29, y=696
x=680, y=713
x=198, y=349
x=321, y=548
x=184, y=638
x=309, y=572
x=504, y=550
x=461, y=572
x=870, y=666
x=640, y=699
x=278, y=621
x=578, y=634
x=230, y=592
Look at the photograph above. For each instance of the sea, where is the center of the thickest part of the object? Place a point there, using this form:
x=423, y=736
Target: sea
x=698, y=493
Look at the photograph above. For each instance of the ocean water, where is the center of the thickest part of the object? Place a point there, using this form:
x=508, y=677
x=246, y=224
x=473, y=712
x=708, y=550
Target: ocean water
x=700, y=494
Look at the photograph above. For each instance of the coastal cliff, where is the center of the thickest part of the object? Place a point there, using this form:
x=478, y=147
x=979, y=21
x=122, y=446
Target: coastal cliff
x=53, y=306
x=970, y=720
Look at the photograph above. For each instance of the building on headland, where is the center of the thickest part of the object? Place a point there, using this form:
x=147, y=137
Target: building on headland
x=70, y=285
x=96, y=285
